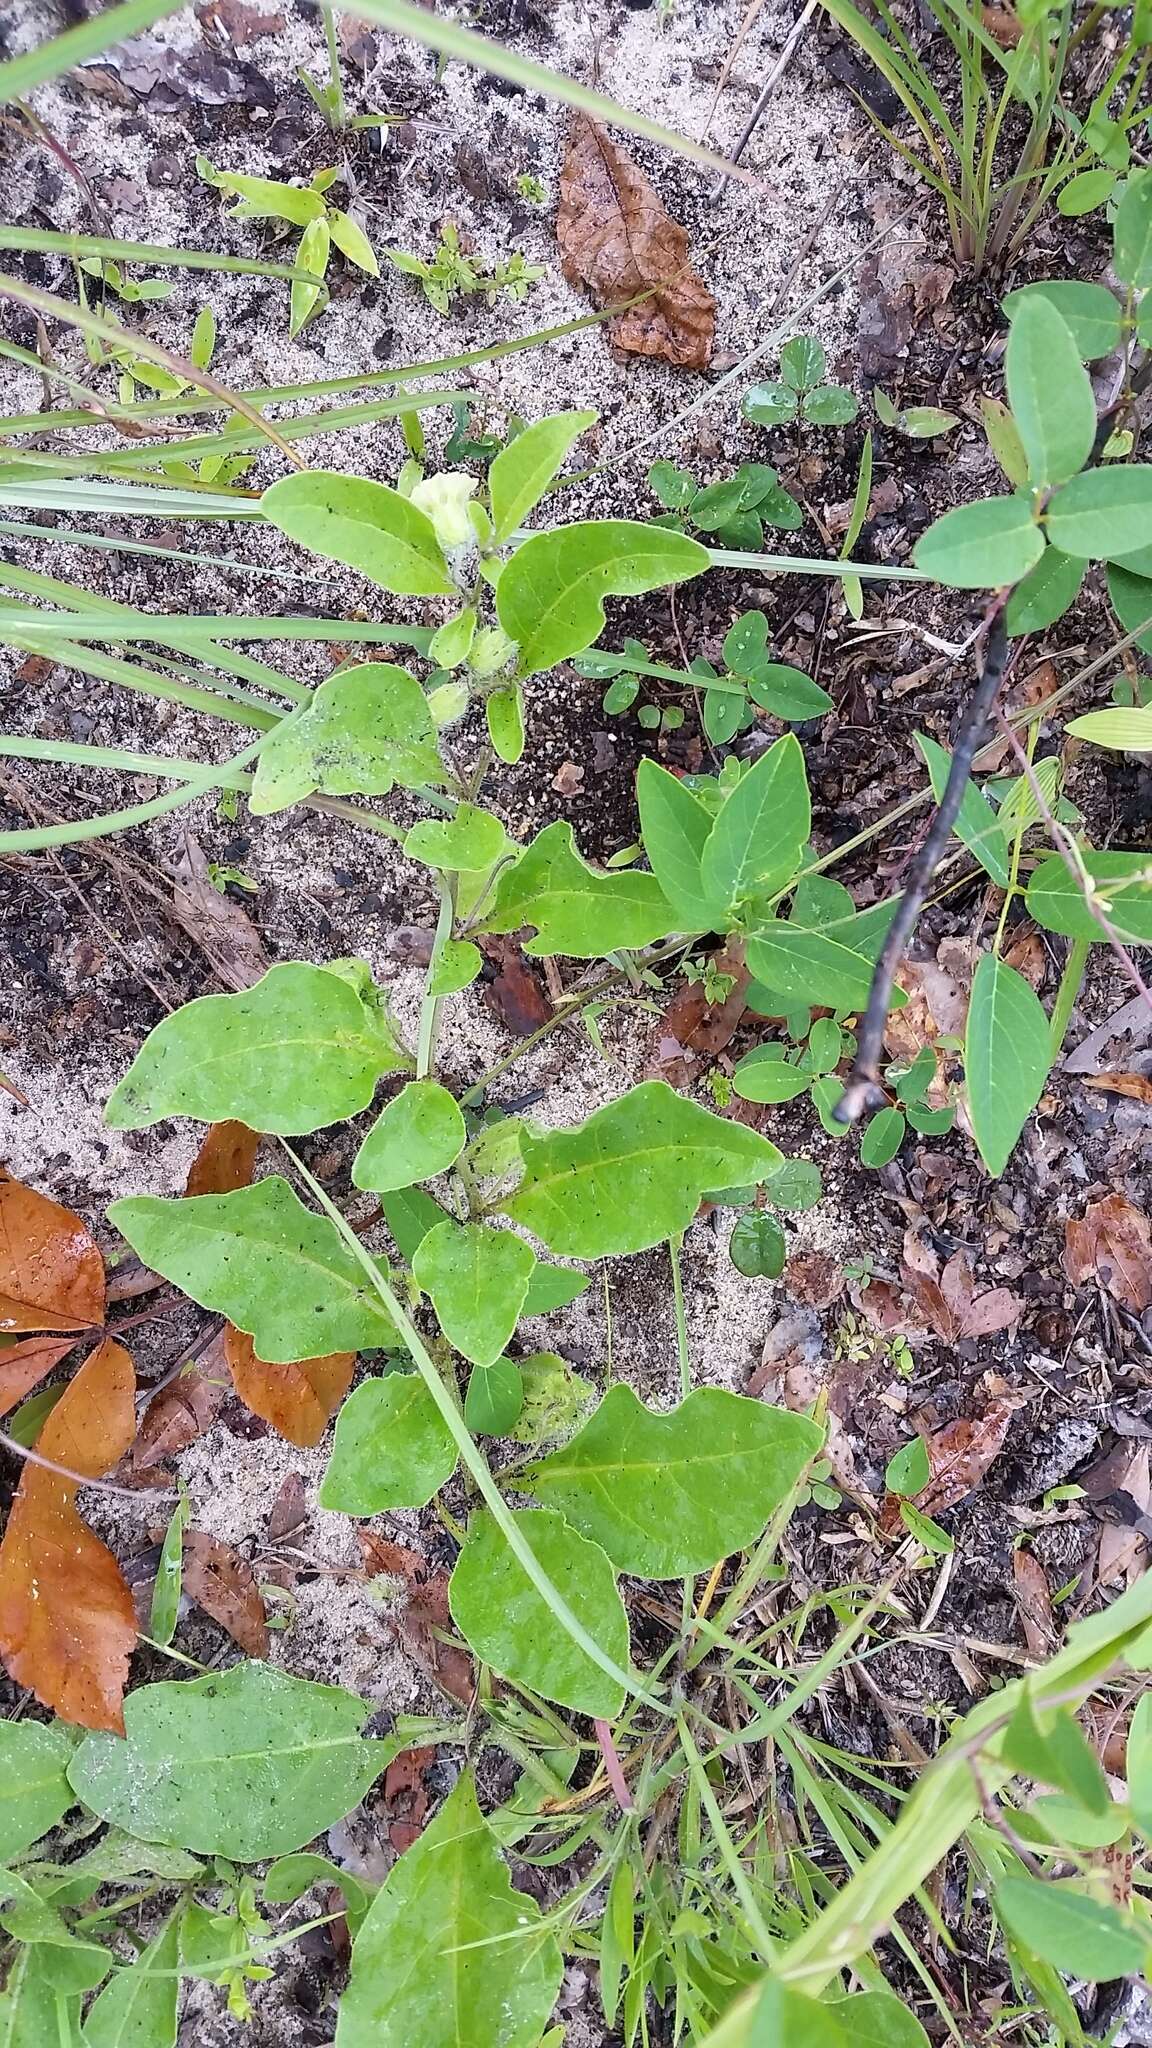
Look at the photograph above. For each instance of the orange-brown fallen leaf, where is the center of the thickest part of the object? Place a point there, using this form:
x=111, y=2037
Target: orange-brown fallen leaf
x=219, y=1580
x=299, y=1400
x=406, y=1797
x=692, y=1028
x=616, y=237
x=958, y=1457
x=51, y=1271
x=1138, y=1087
x=948, y=1299
x=225, y=1160
x=67, y=1623
x=1112, y=1243
x=1034, y=1601
x=181, y=1411
x=23, y=1366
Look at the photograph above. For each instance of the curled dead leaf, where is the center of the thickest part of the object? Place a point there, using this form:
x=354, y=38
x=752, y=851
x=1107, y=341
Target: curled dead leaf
x=1034, y=1601
x=1112, y=1243
x=67, y=1623
x=515, y=991
x=298, y=1400
x=51, y=1271
x=958, y=1457
x=1137, y=1087
x=616, y=237
x=183, y=1410
x=693, y=1028
x=219, y=1580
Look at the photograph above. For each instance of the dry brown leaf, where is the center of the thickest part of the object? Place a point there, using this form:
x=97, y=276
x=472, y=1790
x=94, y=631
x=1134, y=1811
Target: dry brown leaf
x=67, y=1623
x=692, y=1026
x=423, y=1615
x=51, y=1271
x=1112, y=1243
x=298, y=1400
x=289, y=1510
x=1003, y=26
x=1028, y=957
x=1137, y=1087
x=616, y=237
x=815, y=1279
x=23, y=1366
x=949, y=1301
x=516, y=992
x=224, y=1161
x=181, y=1412
x=240, y=22
x=406, y=1797
x=958, y=1457
x=219, y=1580
x=221, y=928
x=1034, y=1601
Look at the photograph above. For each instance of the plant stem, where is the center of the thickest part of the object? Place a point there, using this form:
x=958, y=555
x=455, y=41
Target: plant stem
x=430, y=1005
x=1070, y=985
x=339, y=111
x=674, y=1247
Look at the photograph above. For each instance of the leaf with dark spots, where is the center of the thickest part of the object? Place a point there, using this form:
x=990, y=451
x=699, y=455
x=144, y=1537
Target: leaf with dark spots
x=23, y=1366
x=616, y=237
x=219, y=1580
x=67, y=1623
x=51, y=1271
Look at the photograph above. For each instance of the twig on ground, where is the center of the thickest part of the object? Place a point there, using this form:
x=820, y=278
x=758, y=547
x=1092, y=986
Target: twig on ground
x=862, y=1090
x=31, y=1457
x=769, y=87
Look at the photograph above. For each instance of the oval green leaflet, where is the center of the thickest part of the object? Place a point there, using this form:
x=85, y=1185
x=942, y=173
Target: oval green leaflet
x=550, y=597
x=392, y=1448
x=364, y=525
x=417, y=1135
x=506, y=1622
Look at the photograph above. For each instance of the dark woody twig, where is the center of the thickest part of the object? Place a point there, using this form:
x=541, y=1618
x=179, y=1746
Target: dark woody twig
x=862, y=1090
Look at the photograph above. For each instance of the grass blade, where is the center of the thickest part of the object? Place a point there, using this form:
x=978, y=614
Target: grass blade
x=50, y=241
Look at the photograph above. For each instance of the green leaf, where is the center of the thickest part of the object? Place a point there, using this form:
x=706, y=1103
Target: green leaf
x=1046, y=592
x=165, y=1610
x=877, y=2019
x=1050, y=393
x=1056, y=896
x=456, y=966
x=365, y=730
x=494, y=1399
x=416, y=1136
x=758, y=1247
x=245, y=1763
x=552, y=1287
x=673, y=487
x=577, y=909
x=925, y=1530
x=312, y=253
x=550, y=597
x=450, y=1955
x=908, y=1470
x=522, y=472
x=1104, y=513
x=1004, y=441
x=1055, y=1751
x=1132, y=235
x=466, y=843
x=297, y=1051
x=365, y=526
x=810, y=965
x=1138, y=1764
x=1090, y=310
x=1125, y=728
x=664, y=1495
x=831, y=406
x=746, y=644
x=794, y=1185
x=504, y=712
x=34, y=1788
x=392, y=1449
x=259, y=1257
x=290, y=1877
x=882, y=1137
x=633, y=1173
x=803, y=362
x=1132, y=602
x=1083, y=1937
x=554, y=1397
x=675, y=826
x=977, y=825
x=510, y=1627
x=788, y=693
x=137, y=2009
x=410, y=1214
x=1007, y=1055
x=1085, y=192
x=982, y=546
x=756, y=842
x=764, y=1075
x=785, y=2018
x=352, y=242
x=770, y=405
x=35, y=2011
x=478, y=1279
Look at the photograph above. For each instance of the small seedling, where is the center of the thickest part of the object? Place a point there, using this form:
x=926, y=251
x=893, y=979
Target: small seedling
x=915, y=422
x=752, y=681
x=453, y=274
x=736, y=511
x=802, y=392
x=321, y=226
x=531, y=188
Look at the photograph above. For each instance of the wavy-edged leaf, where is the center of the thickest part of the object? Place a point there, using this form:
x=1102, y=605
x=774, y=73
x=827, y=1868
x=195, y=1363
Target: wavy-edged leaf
x=298, y=1050
x=365, y=730
x=259, y=1257
x=550, y=597
x=668, y=1494
x=450, y=1954
x=393, y=1448
x=365, y=525
x=510, y=1626
x=577, y=909
x=244, y=1763
x=633, y=1173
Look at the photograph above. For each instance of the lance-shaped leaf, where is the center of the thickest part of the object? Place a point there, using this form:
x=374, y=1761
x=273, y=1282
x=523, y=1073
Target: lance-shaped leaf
x=450, y=1953
x=1007, y=1055
x=575, y=908
x=478, y=1279
x=633, y=1173
x=51, y=1271
x=365, y=730
x=522, y=472
x=668, y=1494
x=976, y=822
x=67, y=1623
x=755, y=845
x=393, y=1448
x=416, y=1135
x=511, y=1627
x=138, y=2008
x=675, y=827
x=244, y=1763
x=297, y=1051
x=365, y=525
x=550, y=597
x=262, y=1259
